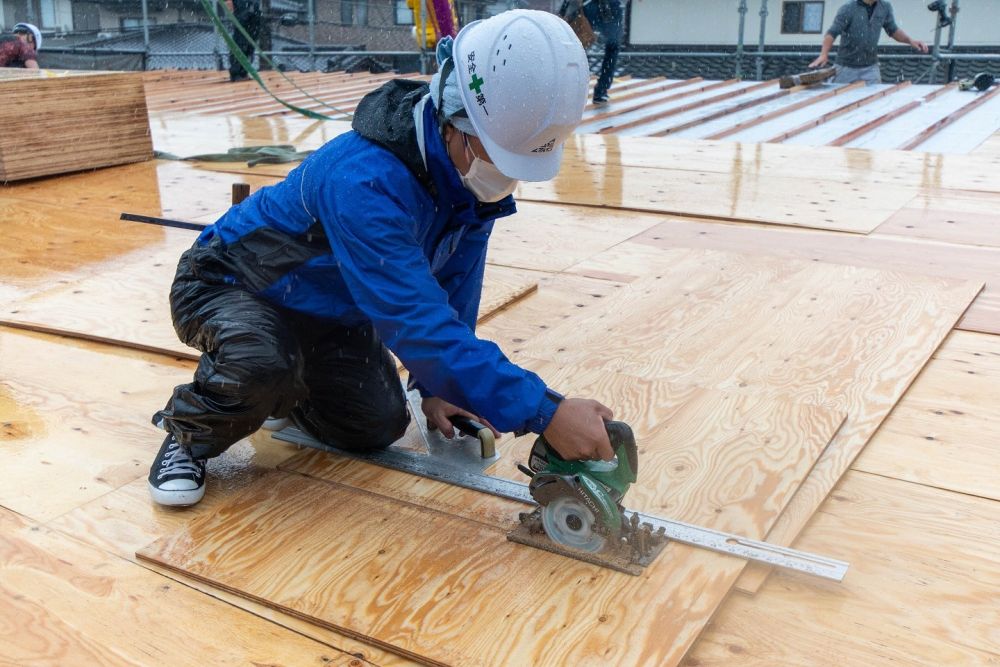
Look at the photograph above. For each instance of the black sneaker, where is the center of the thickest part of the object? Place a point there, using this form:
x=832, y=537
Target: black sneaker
x=600, y=99
x=176, y=478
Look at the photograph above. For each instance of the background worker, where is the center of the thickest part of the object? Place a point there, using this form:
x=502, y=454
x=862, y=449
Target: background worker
x=608, y=18
x=251, y=17
x=20, y=49
x=859, y=23
x=377, y=242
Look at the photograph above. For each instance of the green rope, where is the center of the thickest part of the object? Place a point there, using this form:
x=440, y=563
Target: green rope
x=241, y=57
x=252, y=155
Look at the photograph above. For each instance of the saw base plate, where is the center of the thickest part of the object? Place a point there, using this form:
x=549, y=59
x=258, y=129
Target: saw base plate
x=623, y=559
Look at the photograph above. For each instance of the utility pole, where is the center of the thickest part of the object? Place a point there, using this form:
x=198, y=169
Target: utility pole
x=760, y=44
x=739, y=40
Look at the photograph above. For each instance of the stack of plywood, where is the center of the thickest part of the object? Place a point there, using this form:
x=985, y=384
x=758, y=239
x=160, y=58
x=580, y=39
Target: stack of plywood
x=59, y=121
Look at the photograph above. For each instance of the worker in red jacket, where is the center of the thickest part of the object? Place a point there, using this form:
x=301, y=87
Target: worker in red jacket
x=20, y=49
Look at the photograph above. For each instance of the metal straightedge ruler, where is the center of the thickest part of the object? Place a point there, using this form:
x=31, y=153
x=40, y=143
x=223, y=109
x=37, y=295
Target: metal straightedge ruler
x=437, y=467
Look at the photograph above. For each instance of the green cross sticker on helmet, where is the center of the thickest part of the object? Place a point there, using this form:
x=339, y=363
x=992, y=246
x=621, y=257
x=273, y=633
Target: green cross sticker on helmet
x=538, y=75
x=476, y=84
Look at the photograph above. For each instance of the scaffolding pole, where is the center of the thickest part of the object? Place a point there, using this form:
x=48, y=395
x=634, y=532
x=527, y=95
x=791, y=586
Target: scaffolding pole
x=760, y=43
x=951, y=39
x=739, y=40
x=311, y=9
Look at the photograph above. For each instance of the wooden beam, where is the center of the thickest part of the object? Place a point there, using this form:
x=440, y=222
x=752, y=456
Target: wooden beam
x=889, y=117
x=722, y=113
x=836, y=113
x=661, y=100
x=980, y=100
x=687, y=107
x=777, y=113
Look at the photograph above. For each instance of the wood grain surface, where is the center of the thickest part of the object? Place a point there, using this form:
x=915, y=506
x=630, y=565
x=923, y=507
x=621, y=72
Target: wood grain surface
x=65, y=603
x=951, y=216
x=924, y=566
x=409, y=576
x=945, y=432
x=129, y=304
x=844, y=337
x=74, y=419
x=946, y=260
x=102, y=116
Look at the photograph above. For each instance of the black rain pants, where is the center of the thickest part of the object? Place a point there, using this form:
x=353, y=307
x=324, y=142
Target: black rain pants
x=340, y=384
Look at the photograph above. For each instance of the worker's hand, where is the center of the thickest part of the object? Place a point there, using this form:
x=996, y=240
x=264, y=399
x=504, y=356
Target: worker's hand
x=918, y=45
x=438, y=411
x=821, y=61
x=577, y=430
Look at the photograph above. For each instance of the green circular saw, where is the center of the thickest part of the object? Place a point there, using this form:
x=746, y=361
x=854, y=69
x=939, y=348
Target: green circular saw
x=580, y=511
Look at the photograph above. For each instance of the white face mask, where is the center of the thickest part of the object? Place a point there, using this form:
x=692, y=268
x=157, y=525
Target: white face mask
x=483, y=179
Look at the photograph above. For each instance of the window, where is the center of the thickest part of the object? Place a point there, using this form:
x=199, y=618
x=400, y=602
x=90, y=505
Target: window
x=354, y=12
x=404, y=15
x=134, y=22
x=48, y=8
x=802, y=18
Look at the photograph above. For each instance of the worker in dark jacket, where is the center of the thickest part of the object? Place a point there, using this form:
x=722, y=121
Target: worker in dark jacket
x=20, y=49
x=377, y=242
x=859, y=23
x=608, y=18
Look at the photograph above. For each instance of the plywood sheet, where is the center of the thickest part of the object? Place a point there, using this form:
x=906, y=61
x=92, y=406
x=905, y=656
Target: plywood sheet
x=125, y=520
x=945, y=432
x=847, y=166
x=945, y=260
x=550, y=237
x=951, y=216
x=738, y=196
x=129, y=304
x=832, y=335
x=924, y=569
x=411, y=578
x=74, y=420
x=158, y=188
x=67, y=603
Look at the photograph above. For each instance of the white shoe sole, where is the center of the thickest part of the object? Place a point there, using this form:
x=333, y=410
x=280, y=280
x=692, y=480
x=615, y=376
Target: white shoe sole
x=176, y=498
x=276, y=424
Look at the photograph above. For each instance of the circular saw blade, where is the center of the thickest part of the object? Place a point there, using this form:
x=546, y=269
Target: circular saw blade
x=570, y=523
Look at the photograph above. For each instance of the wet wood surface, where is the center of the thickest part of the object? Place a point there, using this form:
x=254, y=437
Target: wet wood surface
x=944, y=433
x=831, y=335
x=75, y=420
x=409, y=575
x=924, y=565
x=129, y=304
x=67, y=603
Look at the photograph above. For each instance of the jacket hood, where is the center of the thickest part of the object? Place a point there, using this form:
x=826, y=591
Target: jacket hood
x=385, y=117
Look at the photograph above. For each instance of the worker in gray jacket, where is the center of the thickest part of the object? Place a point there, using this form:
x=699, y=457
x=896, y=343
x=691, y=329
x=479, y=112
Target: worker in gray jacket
x=858, y=23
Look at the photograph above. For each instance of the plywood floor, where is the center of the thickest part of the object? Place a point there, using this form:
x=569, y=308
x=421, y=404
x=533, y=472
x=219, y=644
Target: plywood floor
x=915, y=513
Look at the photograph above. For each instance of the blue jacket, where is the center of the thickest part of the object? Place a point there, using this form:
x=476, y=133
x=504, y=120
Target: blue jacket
x=373, y=227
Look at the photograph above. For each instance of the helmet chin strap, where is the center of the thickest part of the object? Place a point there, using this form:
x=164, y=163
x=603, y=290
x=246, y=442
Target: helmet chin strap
x=446, y=69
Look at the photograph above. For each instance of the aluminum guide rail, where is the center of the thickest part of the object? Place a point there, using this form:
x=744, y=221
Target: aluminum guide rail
x=438, y=467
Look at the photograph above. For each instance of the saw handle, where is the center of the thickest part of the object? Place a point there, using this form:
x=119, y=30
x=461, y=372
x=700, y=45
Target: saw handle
x=622, y=443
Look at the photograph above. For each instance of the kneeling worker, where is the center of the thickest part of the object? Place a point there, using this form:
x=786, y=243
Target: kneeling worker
x=20, y=49
x=377, y=242
x=859, y=23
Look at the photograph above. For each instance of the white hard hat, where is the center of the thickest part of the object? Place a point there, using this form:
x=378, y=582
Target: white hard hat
x=35, y=32
x=523, y=78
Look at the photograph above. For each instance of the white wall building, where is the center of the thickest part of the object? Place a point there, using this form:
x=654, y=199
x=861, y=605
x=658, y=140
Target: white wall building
x=661, y=22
